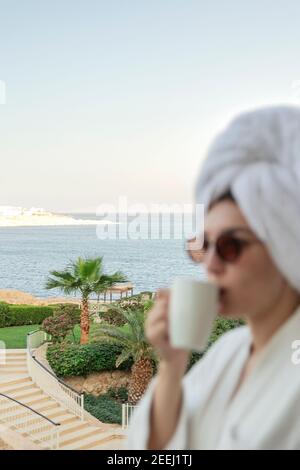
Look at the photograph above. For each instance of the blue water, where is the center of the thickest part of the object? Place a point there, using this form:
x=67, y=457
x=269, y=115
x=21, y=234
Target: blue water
x=27, y=254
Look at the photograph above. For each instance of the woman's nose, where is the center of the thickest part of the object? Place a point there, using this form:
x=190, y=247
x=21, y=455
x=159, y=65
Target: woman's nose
x=212, y=262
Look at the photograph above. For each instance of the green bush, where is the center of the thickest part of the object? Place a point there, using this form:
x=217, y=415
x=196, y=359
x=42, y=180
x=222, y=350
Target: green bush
x=135, y=303
x=120, y=394
x=113, y=317
x=104, y=408
x=74, y=359
x=58, y=327
x=19, y=315
x=72, y=310
x=64, y=319
x=221, y=326
x=4, y=314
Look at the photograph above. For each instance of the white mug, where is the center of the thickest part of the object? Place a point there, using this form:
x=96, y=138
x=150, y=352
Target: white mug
x=192, y=309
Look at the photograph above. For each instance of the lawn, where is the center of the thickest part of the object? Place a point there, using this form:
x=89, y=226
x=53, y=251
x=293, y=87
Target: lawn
x=14, y=337
x=75, y=336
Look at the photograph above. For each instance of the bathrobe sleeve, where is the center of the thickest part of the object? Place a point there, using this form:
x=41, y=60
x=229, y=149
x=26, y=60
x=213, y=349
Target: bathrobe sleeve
x=194, y=385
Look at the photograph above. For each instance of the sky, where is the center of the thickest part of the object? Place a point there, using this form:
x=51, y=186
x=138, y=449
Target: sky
x=120, y=98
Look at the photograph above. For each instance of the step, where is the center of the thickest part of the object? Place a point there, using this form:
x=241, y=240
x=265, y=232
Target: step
x=10, y=389
x=48, y=407
x=69, y=439
x=21, y=380
x=36, y=432
x=27, y=420
x=110, y=442
x=21, y=395
x=79, y=436
x=61, y=416
x=22, y=420
x=9, y=371
x=12, y=359
x=68, y=428
x=44, y=440
x=10, y=408
x=13, y=364
x=67, y=419
x=13, y=353
x=33, y=401
x=114, y=444
x=89, y=442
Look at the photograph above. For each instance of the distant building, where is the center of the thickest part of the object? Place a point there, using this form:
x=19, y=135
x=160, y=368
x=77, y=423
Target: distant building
x=10, y=211
x=35, y=211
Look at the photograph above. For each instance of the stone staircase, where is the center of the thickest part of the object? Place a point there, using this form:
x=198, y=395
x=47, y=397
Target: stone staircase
x=74, y=433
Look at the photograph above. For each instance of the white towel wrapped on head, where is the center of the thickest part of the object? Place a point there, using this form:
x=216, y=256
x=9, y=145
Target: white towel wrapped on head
x=258, y=157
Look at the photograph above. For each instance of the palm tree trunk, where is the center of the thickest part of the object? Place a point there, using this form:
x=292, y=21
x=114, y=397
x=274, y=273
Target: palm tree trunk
x=84, y=321
x=141, y=374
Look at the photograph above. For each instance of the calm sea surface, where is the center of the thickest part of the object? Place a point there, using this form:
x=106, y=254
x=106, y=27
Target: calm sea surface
x=27, y=254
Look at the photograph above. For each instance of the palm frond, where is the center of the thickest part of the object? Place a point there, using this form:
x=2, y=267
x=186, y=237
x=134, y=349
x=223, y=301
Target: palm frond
x=133, y=340
x=111, y=333
x=124, y=356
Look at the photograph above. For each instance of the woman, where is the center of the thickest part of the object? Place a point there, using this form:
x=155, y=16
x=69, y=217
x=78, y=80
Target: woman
x=245, y=392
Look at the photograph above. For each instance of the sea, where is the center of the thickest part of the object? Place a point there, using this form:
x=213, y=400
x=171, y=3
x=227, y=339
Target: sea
x=148, y=250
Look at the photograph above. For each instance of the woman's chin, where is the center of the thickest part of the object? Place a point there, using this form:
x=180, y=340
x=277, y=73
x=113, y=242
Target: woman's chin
x=225, y=311
x=222, y=308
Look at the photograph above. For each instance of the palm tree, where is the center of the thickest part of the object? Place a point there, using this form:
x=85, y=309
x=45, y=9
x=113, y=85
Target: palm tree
x=135, y=345
x=85, y=276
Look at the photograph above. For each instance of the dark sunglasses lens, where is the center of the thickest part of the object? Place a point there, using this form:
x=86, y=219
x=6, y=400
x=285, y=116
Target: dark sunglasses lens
x=228, y=248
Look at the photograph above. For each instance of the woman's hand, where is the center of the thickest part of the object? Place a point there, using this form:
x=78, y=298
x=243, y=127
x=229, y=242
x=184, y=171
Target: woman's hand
x=173, y=360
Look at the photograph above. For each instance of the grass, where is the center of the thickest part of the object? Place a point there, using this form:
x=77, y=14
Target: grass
x=75, y=337
x=14, y=337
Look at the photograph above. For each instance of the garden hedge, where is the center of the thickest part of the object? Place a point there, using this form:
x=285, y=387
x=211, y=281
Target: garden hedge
x=76, y=359
x=18, y=315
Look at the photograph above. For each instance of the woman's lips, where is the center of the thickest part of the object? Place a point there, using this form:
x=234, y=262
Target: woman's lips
x=222, y=294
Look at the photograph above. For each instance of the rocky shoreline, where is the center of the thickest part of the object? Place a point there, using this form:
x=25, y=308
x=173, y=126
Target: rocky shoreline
x=12, y=296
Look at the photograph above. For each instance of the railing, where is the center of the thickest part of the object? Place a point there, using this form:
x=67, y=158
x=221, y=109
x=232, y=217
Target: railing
x=127, y=411
x=20, y=417
x=47, y=381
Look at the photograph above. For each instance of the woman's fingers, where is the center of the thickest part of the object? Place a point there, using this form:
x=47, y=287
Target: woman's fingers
x=162, y=294
x=157, y=332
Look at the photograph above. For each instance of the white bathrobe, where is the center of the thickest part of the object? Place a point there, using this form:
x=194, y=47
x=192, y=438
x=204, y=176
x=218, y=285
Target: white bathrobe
x=263, y=414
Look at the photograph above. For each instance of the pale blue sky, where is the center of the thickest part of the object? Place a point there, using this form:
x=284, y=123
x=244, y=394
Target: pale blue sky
x=121, y=97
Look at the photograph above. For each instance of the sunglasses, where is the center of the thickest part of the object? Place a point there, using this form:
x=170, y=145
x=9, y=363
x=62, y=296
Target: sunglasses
x=228, y=246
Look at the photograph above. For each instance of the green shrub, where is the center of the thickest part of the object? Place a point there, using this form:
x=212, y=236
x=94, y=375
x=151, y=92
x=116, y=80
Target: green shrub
x=120, y=394
x=18, y=315
x=58, y=326
x=114, y=317
x=135, y=303
x=65, y=317
x=221, y=326
x=104, y=408
x=72, y=310
x=4, y=314
x=74, y=359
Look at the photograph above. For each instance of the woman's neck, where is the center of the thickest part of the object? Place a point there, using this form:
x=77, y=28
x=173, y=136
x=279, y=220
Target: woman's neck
x=265, y=324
